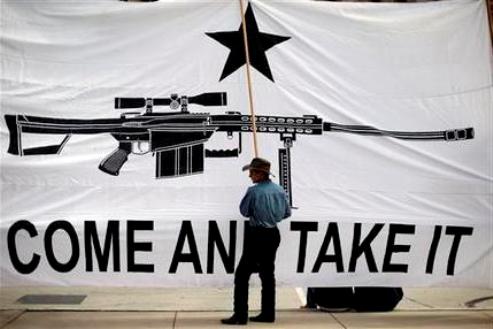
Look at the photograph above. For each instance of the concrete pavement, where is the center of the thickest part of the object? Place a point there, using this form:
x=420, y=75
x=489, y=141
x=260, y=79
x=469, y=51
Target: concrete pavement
x=203, y=308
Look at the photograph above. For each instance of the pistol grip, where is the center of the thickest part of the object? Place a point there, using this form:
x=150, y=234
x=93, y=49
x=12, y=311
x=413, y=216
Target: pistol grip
x=114, y=161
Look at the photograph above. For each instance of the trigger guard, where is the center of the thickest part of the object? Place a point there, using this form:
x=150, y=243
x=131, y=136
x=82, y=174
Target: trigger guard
x=137, y=148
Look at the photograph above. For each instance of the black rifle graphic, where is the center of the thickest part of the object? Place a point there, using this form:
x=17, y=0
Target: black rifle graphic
x=177, y=138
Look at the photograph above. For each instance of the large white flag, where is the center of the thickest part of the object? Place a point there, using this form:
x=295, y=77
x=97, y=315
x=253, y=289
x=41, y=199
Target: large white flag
x=377, y=119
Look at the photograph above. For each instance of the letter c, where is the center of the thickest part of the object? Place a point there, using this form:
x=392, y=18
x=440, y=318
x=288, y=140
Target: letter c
x=23, y=268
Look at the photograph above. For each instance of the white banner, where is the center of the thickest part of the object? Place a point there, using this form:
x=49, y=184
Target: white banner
x=384, y=110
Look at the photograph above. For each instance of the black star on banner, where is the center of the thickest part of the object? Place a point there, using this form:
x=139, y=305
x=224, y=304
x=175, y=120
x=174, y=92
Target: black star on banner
x=258, y=44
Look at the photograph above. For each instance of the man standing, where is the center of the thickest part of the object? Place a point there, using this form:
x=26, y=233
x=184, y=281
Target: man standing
x=265, y=204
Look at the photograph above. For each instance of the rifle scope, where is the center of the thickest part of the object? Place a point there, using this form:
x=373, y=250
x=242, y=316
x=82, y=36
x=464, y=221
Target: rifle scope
x=205, y=99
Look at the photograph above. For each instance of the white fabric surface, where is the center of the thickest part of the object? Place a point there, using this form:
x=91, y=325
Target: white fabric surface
x=409, y=67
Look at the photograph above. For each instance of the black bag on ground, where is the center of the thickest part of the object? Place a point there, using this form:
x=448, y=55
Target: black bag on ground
x=360, y=299
x=333, y=298
x=376, y=299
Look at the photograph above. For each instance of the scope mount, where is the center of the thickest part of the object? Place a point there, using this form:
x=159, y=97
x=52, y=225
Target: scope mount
x=175, y=103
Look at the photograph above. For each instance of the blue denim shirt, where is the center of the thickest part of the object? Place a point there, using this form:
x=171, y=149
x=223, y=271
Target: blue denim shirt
x=265, y=204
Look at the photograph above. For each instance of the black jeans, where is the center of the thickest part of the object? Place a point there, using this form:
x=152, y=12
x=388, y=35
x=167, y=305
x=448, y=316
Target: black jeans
x=259, y=254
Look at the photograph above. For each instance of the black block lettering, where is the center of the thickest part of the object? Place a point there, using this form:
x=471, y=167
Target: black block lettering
x=457, y=232
x=186, y=233
x=23, y=268
x=332, y=234
x=364, y=247
x=133, y=247
x=304, y=228
x=433, y=249
x=112, y=238
x=391, y=248
x=214, y=239
x=74, y=242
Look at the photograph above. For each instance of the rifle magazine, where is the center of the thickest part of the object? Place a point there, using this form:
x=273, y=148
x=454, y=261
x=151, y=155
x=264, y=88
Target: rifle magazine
x=180, y=161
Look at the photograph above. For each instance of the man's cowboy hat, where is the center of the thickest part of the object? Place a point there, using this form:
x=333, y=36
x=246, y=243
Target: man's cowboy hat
x=258, y=164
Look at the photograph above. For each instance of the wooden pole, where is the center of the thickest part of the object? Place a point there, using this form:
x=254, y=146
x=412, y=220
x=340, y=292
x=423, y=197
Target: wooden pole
x=489, y=8
x=249, y=80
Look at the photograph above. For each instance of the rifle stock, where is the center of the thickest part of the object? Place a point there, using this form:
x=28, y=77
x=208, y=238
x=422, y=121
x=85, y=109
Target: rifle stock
x=14, y=136
x=15, y=140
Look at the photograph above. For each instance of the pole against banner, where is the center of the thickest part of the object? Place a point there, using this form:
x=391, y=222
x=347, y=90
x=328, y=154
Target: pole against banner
x=489, y=6
x=249, y=80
